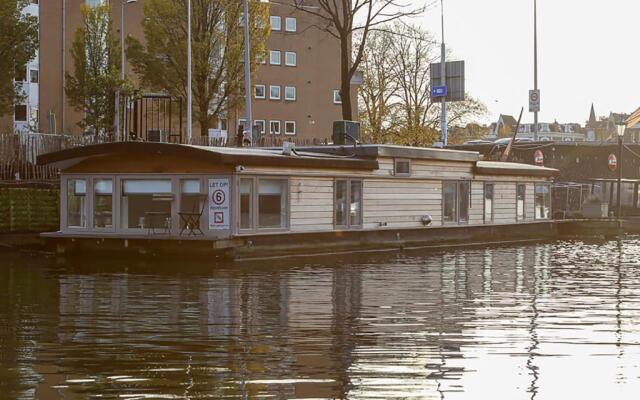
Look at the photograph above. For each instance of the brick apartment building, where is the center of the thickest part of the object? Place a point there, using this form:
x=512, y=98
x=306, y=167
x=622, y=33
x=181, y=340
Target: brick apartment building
x=295, y=89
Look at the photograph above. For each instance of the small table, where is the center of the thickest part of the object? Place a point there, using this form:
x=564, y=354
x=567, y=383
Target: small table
x=191, y=222
x=153, y=216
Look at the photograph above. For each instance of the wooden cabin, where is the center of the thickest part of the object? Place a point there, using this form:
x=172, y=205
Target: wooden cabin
x=250, y=201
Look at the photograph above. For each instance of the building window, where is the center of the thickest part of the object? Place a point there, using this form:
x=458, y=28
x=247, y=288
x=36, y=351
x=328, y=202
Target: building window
x=290, y=93
x=275, y=57
x=266, y=207
x=76, y=203
x=103, y=203
x=191, y=200
x=542, y=201
x=290, y=24
x=290, y=58
x=274, y=127
x=337, y=97
x=456, y=198
x=35, y=76
x=347, y=203
x=401, y=167
x=274, y=92
x=260, y=91
x=146, y=203
x=260, y=123
x=521, y=190
x=241, y=125
x=21, y=74
x=488, y=202
x=276, y=23
x=20, y=113
x=290, y=127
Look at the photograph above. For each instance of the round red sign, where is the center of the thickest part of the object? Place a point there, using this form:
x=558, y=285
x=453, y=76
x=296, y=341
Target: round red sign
x=538, y=158
x=613, y=162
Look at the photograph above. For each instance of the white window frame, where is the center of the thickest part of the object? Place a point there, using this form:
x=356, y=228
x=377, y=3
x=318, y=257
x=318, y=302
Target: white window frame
x=524, y=202
x=243, y=122
x=273, y=18
x=254, y=205
x=286, y=24
x=294, y=128
x=279, y=124
x=337, y=97
x=286, y=97
x=350, y=224
x=395, y=166
x=271, y=97
x=264, y=91
x=286, y=58
x=255, y=122
x=272, y=53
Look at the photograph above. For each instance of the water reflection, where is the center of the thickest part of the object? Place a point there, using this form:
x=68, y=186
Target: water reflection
x=530, y=322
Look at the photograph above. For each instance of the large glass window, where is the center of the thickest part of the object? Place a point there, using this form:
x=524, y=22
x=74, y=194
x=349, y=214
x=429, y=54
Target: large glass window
x=290, y=24
x=276, y=23
x=146, y=203
x=456, y=201
x=521, y=190
x=103, y=203
x=488, y=202
x=272, y=203
x=348, y=203
x=76, y=203
x=191, y=200
x=543, y=201
x=246, y=196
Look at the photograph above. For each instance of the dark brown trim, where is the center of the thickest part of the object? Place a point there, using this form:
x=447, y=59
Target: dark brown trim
x=247, y=157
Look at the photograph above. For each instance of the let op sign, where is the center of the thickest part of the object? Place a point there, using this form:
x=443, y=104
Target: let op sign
x=219, y=215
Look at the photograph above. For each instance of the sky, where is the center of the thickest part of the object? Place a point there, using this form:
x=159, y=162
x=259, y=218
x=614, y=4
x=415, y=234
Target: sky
x=587, y=53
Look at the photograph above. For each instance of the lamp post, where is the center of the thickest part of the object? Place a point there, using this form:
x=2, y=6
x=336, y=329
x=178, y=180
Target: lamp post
x=443, y=82
x=122, y=72
x=189, y=100
x=535, y=65
x=247, y=73
x=621, y=127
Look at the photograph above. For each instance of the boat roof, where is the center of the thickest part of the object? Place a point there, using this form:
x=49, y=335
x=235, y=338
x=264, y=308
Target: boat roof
x=218, y=155
x=397, y=151
x=509, y=168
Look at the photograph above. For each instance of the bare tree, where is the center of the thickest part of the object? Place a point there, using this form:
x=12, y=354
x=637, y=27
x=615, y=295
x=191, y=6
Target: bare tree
x=343, y=19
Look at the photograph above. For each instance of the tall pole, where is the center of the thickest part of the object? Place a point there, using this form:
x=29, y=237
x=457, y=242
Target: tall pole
x=535, y=65
x=116, y=118
x=189, y=117
x=619, y=202
x=122, y=66
x=247, y=73
x=443, y=81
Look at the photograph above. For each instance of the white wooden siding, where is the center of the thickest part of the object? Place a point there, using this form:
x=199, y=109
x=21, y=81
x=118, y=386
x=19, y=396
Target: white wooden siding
x=311, y=204
x=476, y=211
x=504, y=203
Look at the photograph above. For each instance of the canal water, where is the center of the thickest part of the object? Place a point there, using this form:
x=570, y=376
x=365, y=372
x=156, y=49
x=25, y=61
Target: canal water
x=544, y=321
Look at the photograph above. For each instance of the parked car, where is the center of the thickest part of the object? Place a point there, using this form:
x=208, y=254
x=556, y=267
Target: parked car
x=478, y=141
x=507, y=140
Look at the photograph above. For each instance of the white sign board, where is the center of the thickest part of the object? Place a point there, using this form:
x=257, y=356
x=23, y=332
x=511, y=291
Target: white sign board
x=219, y=195
x=534, y=100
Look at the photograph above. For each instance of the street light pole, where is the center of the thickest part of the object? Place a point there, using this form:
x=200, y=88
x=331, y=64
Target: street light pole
x=621, y=127
x=116, y=128
x=189, y=100
x=535, y=65
x=443, y=81
x=247, y=73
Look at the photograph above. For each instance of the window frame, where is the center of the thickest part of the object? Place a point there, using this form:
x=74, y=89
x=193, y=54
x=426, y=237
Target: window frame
x=549, y=196
x=271, y=87
x=286, y=24
x=256, y=121
x=524, y=202
x=349, y=225
x=64, y=205
x=92, y=207
x=286, y=59
x=295, y=130
x=395, y=166
x=254, y=204
x=457, y=220
x=264, y=91
x=271, y=54
x=279, y=127
x=295, y=94
x=279, y=19
x=338, y=99
x=484, y=202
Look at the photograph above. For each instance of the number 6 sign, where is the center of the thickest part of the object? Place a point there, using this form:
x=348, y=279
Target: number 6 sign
x=219, y=215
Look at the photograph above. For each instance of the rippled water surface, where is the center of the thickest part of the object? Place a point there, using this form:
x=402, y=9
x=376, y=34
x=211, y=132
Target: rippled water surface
x=546, y=321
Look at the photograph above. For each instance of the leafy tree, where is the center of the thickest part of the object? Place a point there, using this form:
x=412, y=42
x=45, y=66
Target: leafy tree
x=96, y=75
x=217, y=51
x=18, y=45
x=343, y=19
x=396, y=66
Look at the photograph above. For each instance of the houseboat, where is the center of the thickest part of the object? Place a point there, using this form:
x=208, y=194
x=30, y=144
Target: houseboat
x=157, y=198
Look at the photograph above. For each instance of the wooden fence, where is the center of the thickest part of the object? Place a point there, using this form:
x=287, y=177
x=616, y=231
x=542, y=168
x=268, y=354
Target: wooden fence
x=18, y=152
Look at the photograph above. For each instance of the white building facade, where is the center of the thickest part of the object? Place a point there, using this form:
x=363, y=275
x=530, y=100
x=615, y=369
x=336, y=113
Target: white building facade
x=26, y=114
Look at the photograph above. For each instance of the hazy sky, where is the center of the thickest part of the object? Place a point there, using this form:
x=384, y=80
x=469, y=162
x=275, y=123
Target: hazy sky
x=587, y=52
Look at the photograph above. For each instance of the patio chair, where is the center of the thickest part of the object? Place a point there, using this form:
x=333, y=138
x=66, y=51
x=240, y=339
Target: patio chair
x=190, y=221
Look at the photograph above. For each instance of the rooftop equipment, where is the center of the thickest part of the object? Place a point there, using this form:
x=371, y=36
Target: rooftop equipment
x=345, y=131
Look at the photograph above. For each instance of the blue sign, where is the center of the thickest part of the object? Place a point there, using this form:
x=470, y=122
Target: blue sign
x=439, y=91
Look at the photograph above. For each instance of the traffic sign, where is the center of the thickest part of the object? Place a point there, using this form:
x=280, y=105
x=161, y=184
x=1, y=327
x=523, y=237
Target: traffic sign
x=534, y=100
x=439, y=91
x=538, y=157
x=612, y=162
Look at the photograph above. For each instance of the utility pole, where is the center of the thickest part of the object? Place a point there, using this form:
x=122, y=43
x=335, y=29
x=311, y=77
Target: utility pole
x=535, y=65
x=189, y=101
x=443, y=81
x=122, y=66
x=247, y=73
